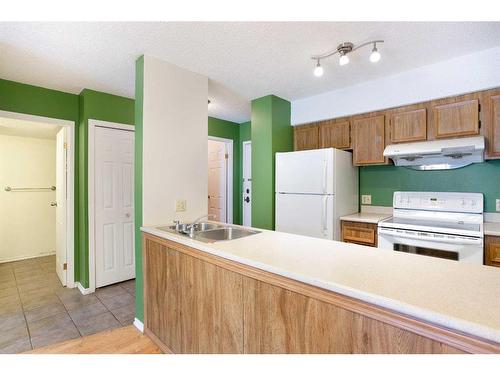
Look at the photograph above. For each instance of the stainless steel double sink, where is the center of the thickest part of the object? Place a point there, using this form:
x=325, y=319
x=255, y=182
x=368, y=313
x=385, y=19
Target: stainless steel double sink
x=209, y=232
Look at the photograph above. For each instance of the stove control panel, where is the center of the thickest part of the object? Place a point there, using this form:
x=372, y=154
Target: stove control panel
x=439, y=201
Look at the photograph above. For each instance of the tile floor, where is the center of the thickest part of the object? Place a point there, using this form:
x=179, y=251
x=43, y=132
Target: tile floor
x=36, y=310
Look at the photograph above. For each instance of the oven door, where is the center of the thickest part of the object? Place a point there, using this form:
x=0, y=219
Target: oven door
x=440, y=245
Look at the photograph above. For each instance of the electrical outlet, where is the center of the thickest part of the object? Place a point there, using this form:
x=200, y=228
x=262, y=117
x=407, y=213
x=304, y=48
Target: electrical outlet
x=180, y=205
x=498, y=204
x=366, y=199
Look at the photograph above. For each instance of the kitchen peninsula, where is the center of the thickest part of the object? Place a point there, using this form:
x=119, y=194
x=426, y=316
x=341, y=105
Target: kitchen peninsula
x=281, y=293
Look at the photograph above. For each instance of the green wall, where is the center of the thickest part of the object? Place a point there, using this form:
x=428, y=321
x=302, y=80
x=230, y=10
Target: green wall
x=39, y=101
x=270, y=132
x=94, y=105
x=382, y=181
x=230, y=130
x=139, y=99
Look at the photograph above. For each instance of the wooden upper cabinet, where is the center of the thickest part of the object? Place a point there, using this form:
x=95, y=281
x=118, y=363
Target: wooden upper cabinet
x=368, y=140
x=456, y=119
x=335, y=133
x=494, y=126
x=409, y=126
x=306, y=137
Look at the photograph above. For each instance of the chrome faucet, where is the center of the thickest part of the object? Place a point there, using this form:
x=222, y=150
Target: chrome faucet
x=197, y=220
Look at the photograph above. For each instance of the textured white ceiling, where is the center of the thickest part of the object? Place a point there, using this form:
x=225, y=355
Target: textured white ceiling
x=243, y=60
x=22, y=128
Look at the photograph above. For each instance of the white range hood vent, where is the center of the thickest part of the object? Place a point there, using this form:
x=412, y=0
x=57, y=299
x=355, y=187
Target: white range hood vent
x=434, y=155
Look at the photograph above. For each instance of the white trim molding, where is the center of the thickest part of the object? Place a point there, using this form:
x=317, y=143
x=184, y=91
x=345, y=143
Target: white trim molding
x=84, y=290
x=139, y=325
x=92, y=124
x=70, y=207
x=230, y=166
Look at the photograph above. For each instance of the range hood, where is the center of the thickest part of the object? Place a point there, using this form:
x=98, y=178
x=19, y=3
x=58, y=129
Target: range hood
x=433, y=155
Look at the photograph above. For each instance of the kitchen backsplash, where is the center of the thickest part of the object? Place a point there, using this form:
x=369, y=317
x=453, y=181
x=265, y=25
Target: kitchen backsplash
x=382, y=181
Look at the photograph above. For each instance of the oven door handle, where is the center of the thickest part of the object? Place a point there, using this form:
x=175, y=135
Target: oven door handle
x=459, y=241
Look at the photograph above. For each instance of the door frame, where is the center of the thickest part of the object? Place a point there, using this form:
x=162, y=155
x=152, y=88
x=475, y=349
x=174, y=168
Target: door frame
x=92, y=125
x=70, y=193
x=229, y=175
x=243, y=159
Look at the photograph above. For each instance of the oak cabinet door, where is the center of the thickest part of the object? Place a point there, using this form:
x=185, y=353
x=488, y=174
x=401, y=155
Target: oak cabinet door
x=162, y=295
x=492, y=251
x=335, y=134
x=494, y=126
x=369, y=140
x=457, y=119
x=409, y=126
x=306, y=137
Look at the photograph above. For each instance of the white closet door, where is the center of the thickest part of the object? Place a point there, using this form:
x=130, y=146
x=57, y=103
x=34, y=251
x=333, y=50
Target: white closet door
x=114, y=206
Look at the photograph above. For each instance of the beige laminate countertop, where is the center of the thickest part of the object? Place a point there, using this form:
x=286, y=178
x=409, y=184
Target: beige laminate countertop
x=491, y=228
x=366, y=217
x=452, y=294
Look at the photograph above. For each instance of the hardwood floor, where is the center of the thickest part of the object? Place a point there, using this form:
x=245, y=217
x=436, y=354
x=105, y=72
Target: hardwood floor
x=125, y=340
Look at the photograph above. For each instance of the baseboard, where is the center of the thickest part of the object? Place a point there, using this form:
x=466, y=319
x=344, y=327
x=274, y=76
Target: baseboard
x=139, y=325
x=24, y=257
x=84, y=290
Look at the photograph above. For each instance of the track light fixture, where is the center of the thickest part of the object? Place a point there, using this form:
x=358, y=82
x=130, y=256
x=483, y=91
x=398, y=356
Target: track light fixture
x=343, y=50
x=318, y=71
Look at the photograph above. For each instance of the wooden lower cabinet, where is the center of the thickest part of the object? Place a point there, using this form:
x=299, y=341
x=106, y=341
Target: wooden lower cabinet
x=280, y=321
x=492, y=251
x=192, y=306
x=359, y=233
x=195, y=302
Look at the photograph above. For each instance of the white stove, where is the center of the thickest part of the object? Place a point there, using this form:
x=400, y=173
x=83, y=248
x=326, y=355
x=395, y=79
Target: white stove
x=444, y=225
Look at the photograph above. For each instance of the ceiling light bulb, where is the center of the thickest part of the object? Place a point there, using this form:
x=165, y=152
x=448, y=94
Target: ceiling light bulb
x=375, y=55
x=344, y=60
x=318, y=71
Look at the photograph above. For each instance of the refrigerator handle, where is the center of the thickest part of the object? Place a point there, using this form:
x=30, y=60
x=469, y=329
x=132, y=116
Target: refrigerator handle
x=323, y=214
x=325, y=175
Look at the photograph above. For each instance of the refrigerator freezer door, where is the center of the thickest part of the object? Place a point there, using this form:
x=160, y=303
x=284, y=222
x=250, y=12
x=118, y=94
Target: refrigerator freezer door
x=308, y=172
x=308, y=215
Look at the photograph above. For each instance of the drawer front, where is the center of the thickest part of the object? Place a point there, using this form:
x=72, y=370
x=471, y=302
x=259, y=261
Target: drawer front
x=360, y=233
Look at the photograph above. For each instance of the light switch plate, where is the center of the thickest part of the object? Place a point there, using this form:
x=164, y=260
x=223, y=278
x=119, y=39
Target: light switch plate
x=498, y=204
x=180, y=205
x=366, y=199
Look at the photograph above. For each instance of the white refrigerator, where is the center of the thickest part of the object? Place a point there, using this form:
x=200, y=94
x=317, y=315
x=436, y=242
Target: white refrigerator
x=314, y=189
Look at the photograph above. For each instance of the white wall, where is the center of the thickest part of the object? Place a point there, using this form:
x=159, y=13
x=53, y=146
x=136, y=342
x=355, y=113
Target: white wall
x=175, y=128
x=474, y=72
x=27, y=221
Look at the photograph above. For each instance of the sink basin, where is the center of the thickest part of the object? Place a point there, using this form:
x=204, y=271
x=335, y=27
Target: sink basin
x=223, y=234
x=201, y=227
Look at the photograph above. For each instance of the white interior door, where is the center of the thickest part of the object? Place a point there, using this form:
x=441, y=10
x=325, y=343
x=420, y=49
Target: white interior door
x=61, y=196
x=114, y=205
x=217, y=180
x=247, y=183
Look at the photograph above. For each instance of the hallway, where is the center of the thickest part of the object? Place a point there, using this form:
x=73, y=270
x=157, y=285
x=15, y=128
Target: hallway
x=36, y=310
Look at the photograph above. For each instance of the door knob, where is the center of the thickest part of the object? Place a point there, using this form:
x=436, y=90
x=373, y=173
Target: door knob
x=53, y=204
x=247, y=199
x=127, y=215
